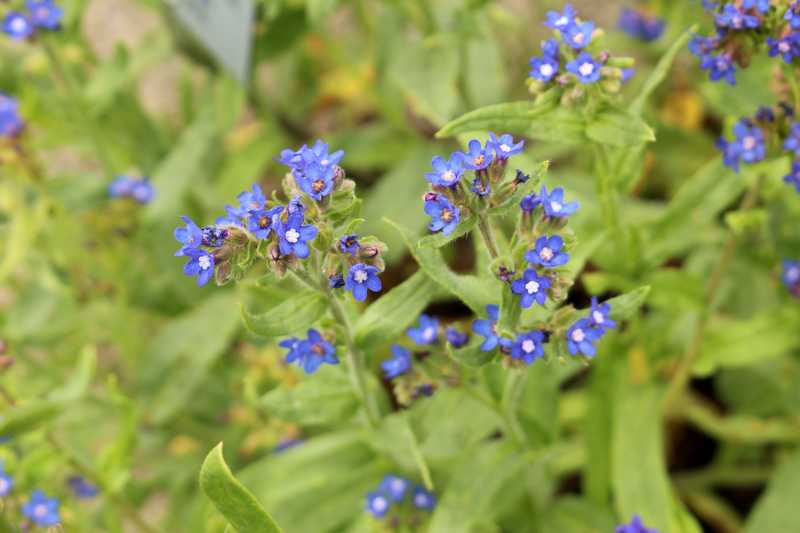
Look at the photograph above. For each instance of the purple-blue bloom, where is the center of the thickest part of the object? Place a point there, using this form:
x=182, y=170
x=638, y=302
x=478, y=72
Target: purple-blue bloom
x=446, y=173
x=349, y=244
x=261, y=222
x=143, y=191
x=17, y=25
x=793, y=177
x=294, y=234
x=362, y=278
x=788, y=47
x=599, y=316
x=377, y=504
x=82, y=488
x=528, y=347
x=734, y=18
x=581, y=337
x=200, y=264
x=636, y=526
x=423, y=499
x=310, y=353
x=792, y=142
x=547, y=252
x=190, y=236
x=45, y=14
x=477, y=156
x=214, y=236
x=445, y=216
x=791, y=276
x=399, y=364
x=6, y=483
x=554, y=205
x=530, y=202
x=638, y=25
x=578, y=36
x=504, y=146
x=792, y=16
x=762, y=6
x=531, y=288
x=585, y=68
x=456, y=338
x=748, y=145
x=427, y=332
x=560, y=21
x=488, y=328
x=11, y=123
x=543, y=68
x=480, y=187
x=316, y=180
x=395, y=487
x=43, y=511
x=719, y=67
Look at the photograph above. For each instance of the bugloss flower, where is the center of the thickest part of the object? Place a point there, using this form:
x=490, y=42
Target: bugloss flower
x=636, y=526
x=487, y=328
x=788, y=47
x=294, y=234
x=362, y=278
x=399, y=364
x=561, y=21
x=748, y=145
x=6, y=483
x=504, y=146
x=547, y=252
x=427, y=332
x=336, y=281
x=140, y=189
x=316, y=180
x=543, y=68
x=456, y=338
x=349, y=245
x=528, y=347
x=554, y=205
x=578, y=36
x=720, y=67
x=286, y=443
x=791, y=276
x=423, y=499
x=310, y=353
x=17, y=25
x=638, y=25
x=190, y=236
x=792, y=16
x=530, y=202
x=82, y=488
x=599, y=316
x=445, y=216
x=762, y=6
x=734, y=18
x=45, y=14
x=581, y=337
x=793, y=177
x=446, y=173
x=477, y=156
x=792, y=142
x=214, y=236
x=395, y=487
x=11, y=124
x=143, y=191
x=200, y=264
x=531, y=288
x=480, y=187
x=262, y=222
x=43, y=511
x=377, y=504
x=585, y=68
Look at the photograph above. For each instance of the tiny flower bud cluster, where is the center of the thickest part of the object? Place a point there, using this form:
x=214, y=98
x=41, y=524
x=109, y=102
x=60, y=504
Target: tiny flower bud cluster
x=38, y=15
x=390, y=501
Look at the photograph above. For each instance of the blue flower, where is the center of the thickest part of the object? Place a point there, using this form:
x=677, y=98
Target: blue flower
x=762, y=6
x=551, y=48
x=377, y=504
x=528, y=347
x=190, y=236
x=627, y=74
x=362, y=278
x=792, y=16
x=17, y=25
x=82, y=488
x=561, y=21
x=336, y=281
x=445, y=173
x=399, y=364
x=787, y=47
x=793, y=177
x=504, y=146
x=445, y=216
x=262, y=222
x=585, y=68
x=702, y=46
x=456, y=338
x=200, y=264
x=578, y=36
x=286, y=443
x=43, y=511
x=488, y=328
x=748, y=145
x=143, y=191
x=120, y=187
x=734, y=18
x=547, y=252
x=253, y=199
x=480, y=187
x=427, y=332
x=531, y=288
x=293, y=235
x=792, y=142
x=639, y=25
x=636, y=526
x=11, y=124
x=316, y=181
x=477, y=156
x=554, y=205
x=543, y=68
x=310, y=353
x=581, y=337
x=395, y=487
x=791, y=276
x=530, y=202
x=720, y=67
x=423, y=499
x=45, y=14
x=599, y=316
x=349, y=244
x=319, y=154
x=6, y=483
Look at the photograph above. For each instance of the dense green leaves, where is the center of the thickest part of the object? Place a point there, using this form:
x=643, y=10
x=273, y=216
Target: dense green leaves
x=325, y=398
x=617, y=127
x=293, y=315
x=24, y=418
x=232, y=499
x=777, y=511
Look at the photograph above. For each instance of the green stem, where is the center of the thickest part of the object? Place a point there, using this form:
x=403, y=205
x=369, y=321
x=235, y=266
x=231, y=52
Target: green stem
x=736, y=476
x=512, y=393
x=605, y=189
x=714, y=511
x=681, y=377
x=485, y=227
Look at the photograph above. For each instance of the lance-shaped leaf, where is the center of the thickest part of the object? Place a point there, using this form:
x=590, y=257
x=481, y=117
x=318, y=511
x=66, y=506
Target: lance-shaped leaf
x=291, y=316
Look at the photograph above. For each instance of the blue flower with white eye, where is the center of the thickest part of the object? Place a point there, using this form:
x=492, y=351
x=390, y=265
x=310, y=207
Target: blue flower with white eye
x=554, y=204
x=446, y=173
x=189, y=236
x=310, y=353
x=599, y=316
x=82, y=488
x=11, y=124
x=316, y=180
x=293, y=235
x=543, y=68
x=720, y=67
x=578, y=36
x=791, y=276
x=399, y=364
x=362, y=278
x=200, y=264
x=427, y=332
x=120, y=187
x=45, y=14
x=6, y=483
x=792, y=142
x=788, y=47
x=531, y=288
x=585, y=68
x=40, y=509
x=262, y=222
x=477, y=156
x=748, y=146
x=792, y=16
x=636, y=526
x=528, y=347
x=143, y=191
x=395, y=487
x=762, y=6
x=17, y=25
x=423, y=499
x=456, y=338
x=581, y=337
x=378, y=504
x=504, y=146
x=702, y=46
x=349, y=245
x=487, y=328
x=319, y=154
x=445, y=216
x=639, y=25
x=793, y=177
x=547, y=252
x=561, y=21
x=734, y=18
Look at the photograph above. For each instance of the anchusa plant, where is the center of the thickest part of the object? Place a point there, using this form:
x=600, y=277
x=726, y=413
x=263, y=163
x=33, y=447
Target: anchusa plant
x=399, y=503
x=11, y=123
x=639, y=24
x=135, y=188
x=24, y=21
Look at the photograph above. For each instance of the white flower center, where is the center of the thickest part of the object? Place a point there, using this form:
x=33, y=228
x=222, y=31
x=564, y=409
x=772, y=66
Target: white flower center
x=546, y=70
x=578, y=335
x=506, y=148
x=204, y=261
x=598, y=317
x=19, y=24
x=40, y=510
x=398, y=485
x=324, y=162
x=546, y=254
x=578, y=38
x=555, y=206
x=3, y=485
x=563, y=21
x=532, y=287
x=360, y=276
x=586, y=69
x=749, y=142
x=448, y=176
x=421, y=500
x=528, y=346
x=784, y=47
x=793, y=274
x=292, y=236
x=380, y=504
x=428, y=334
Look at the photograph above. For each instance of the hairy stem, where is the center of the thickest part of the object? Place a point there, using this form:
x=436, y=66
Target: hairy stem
x=512, y=392
x=485, y=227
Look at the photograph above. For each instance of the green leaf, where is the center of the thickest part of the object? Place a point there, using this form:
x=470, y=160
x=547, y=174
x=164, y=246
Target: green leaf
x=293, y=315
x=393, y=312
x=626, y=305
x=231, y=498
x=81, y=379
x=328, y=398
x=471, y=354
x=617, y=127
x=512, y=117
x=28, y=417
x=777, y=510
x=437, y=240
x=318, y=10
x=577, y=515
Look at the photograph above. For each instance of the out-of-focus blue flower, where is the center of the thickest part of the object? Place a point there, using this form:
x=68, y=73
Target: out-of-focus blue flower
x=488, y=328
x=599, y=316
x=294, y=234
x=395, y=487
x=477, y=156
x=627, y=74
x=423, y=499
x=310, y=353
x=547, y=252
x=554, y=204
x=456, y=338
x=531, y=288
x=528, y=347
x=561, y=21
x=720, y=67
x=581, y=337
x=445, y=216
x=17, y=25
x=792, y=142
x=427, y=332
x=143, y=191
x=362, y=278
x=585, y=68
x=286, y=444
x=530, y=202
x=190, y=236
x=262, y=222
x=638, y=25
x=578, y=36
x=6, y=483
x=200, y=264
x=734, y=18
x=43, y=511
x=748, y=146
x=377, y=504
x=82, y=488
x=791, y=276
x=788, y=47
x=636, y=526
x=701, y=46
x=792, y=15
x=793, y=177
x=504, y=146
x=446, y=173
x=399, y=364
x=45, y=14
x=11, y=124
x=762, y=6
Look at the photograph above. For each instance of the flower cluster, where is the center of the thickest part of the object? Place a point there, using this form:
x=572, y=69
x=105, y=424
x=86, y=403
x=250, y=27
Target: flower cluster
x=39, y=15
x=567, y=61
x=314, y=170
x=392, y=495
x=640, y=25
x=583, y=334
x=450, y=203
x=742, y=27
x=11, y=124
x=310, y=353
x=791, y=276
x=139, y=189
x=636, y=526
